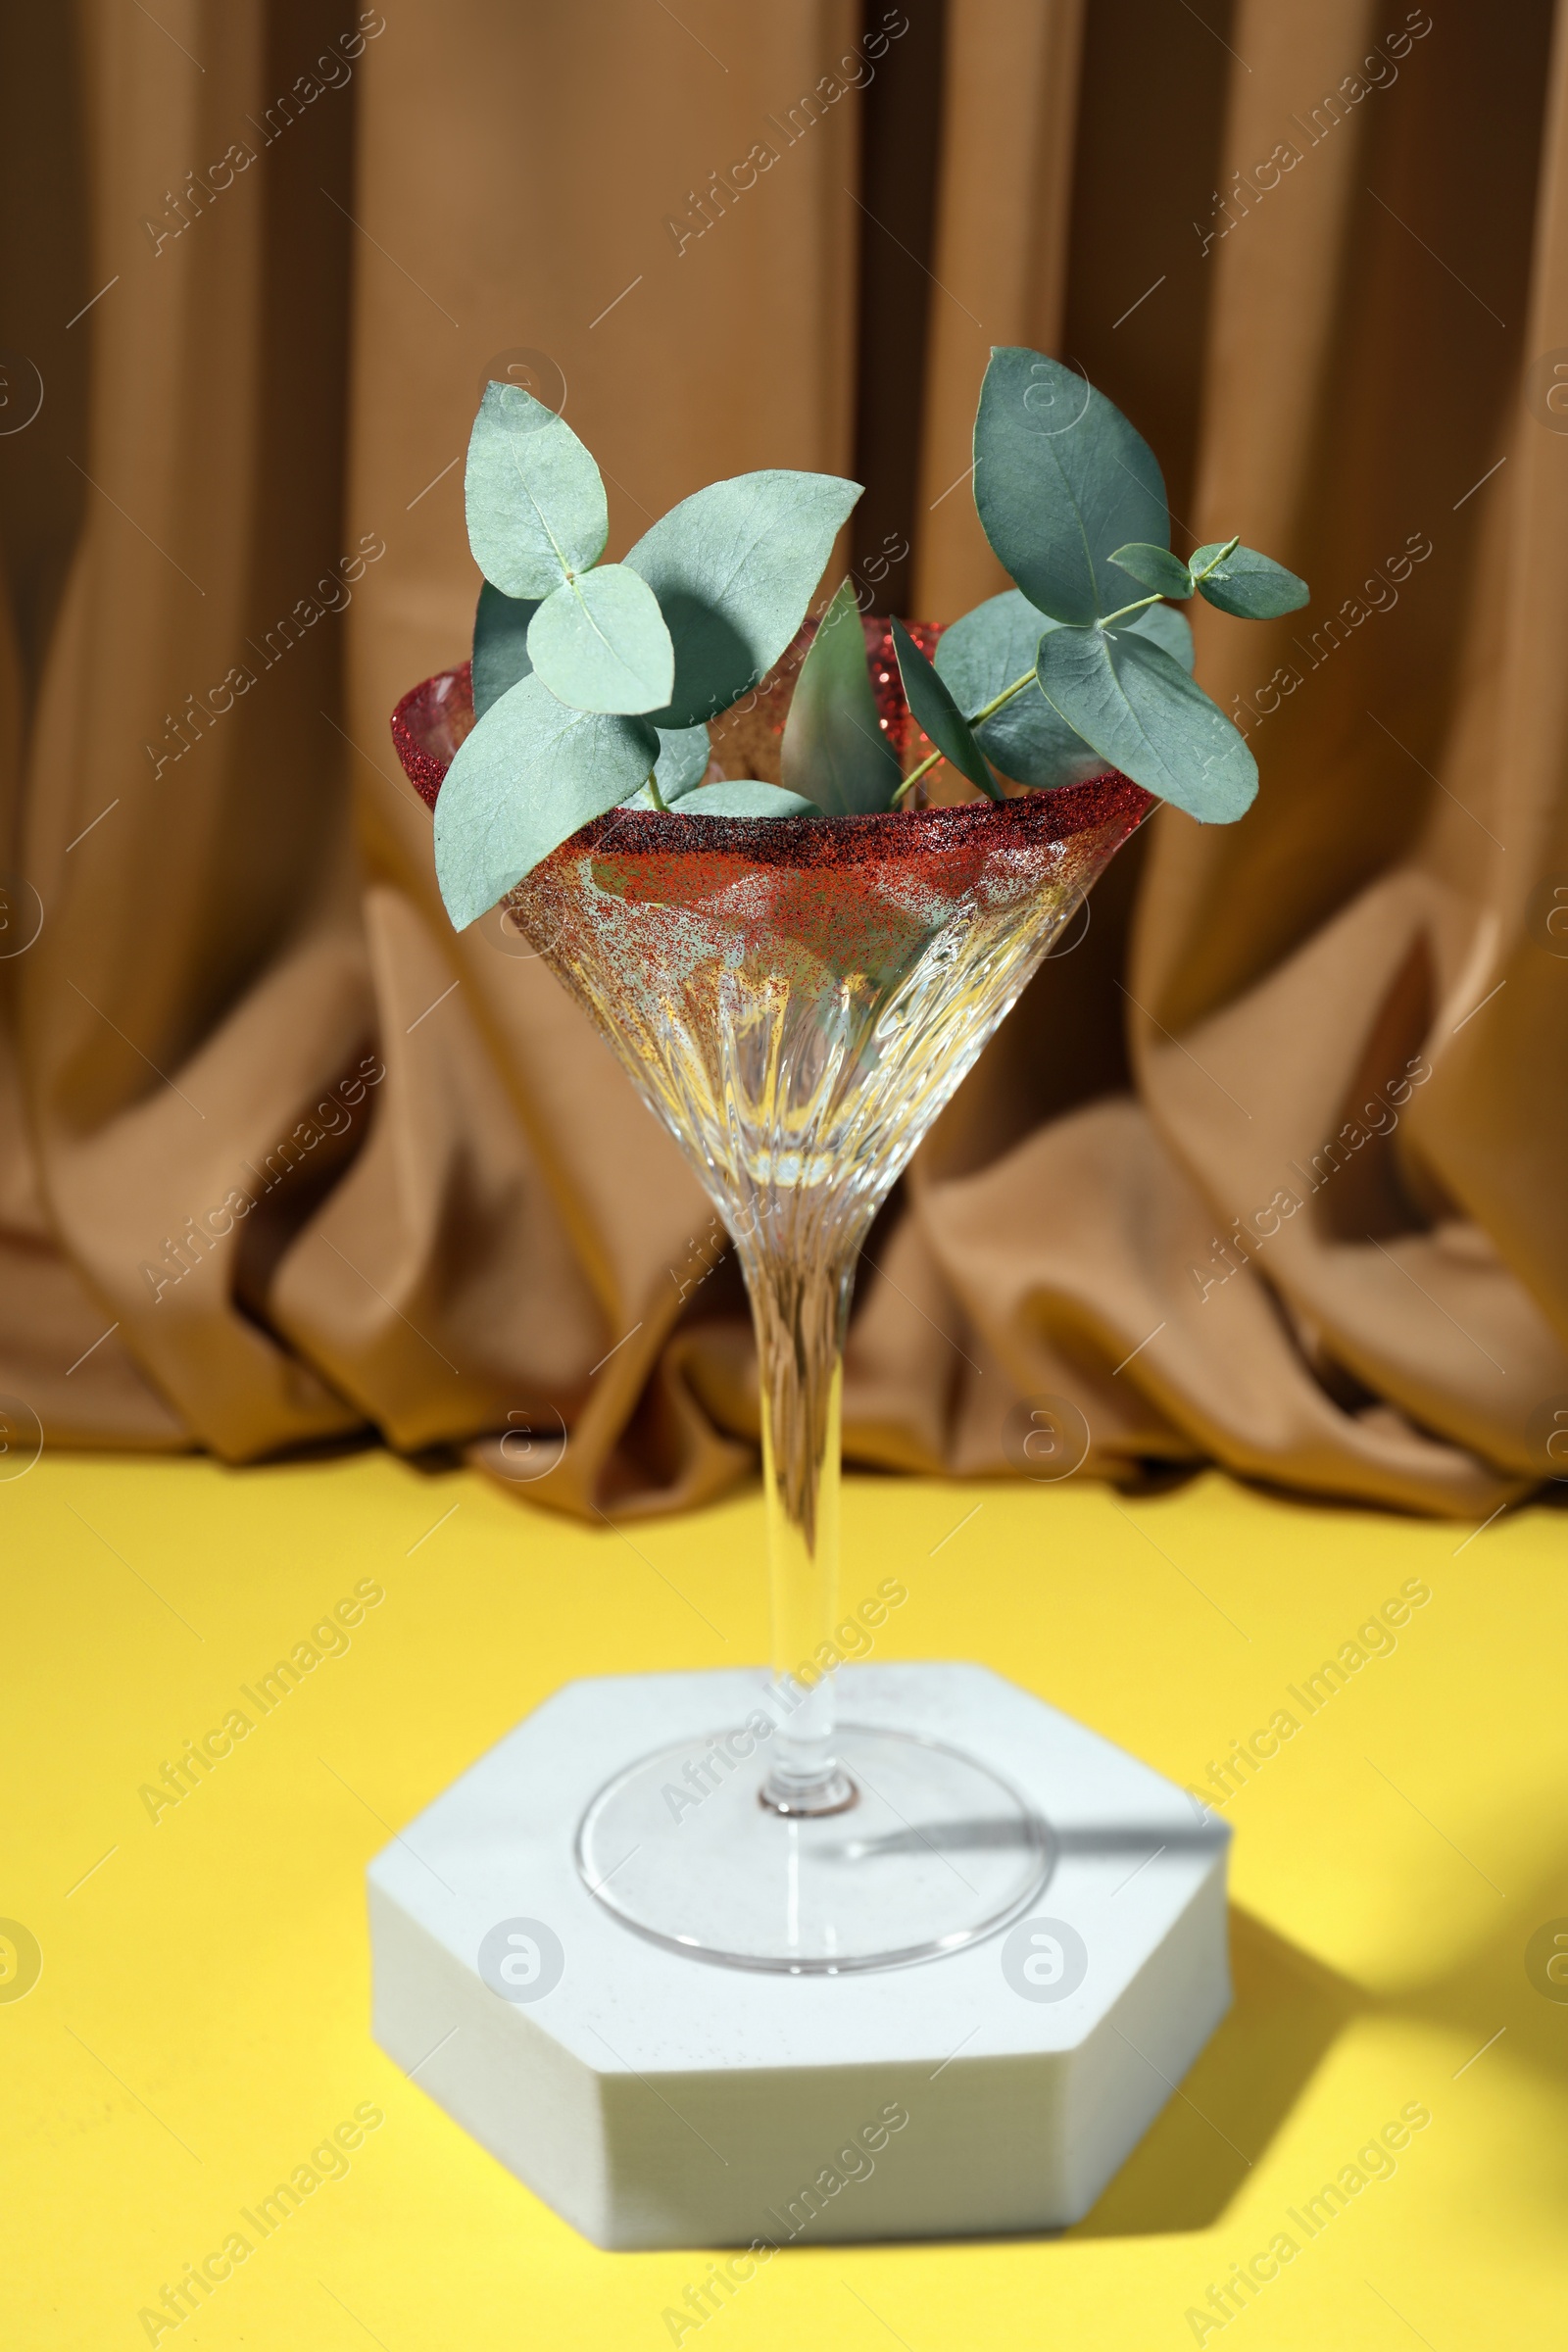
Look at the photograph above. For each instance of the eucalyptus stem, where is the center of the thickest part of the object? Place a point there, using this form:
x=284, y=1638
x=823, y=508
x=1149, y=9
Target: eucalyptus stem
x=1006, y=696
x=1141, y=605
x=1217, y=558
x=659, y=799
x=980, y=717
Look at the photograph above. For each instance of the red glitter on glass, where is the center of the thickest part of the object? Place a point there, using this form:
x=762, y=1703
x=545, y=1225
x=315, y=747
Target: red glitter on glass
x=637, y=906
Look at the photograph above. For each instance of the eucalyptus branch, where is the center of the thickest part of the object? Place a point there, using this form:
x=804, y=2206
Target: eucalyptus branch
x=1142, y=606
x=989, y=712
x=573, y=657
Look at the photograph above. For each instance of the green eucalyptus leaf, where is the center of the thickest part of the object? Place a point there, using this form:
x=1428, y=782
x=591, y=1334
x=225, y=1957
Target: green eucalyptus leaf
x=535, y=502
x=984, y=652
x=835, y=751
x=740, y=797
x=521, y=783
x=1251, y=586
x=1154, y=568
x=1167, y=628
x=599, y=643
x=683, y=756
x=1145, y=714
x=500, y=644
x=989, y=648
x=733, y=567
x=935, y=711
x=1061, y=480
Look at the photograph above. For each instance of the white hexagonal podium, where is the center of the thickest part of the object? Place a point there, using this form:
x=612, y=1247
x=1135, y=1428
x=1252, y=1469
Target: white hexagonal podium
x=655, y=2101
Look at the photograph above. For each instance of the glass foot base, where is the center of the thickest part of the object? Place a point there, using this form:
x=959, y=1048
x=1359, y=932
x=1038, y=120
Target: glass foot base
x=932, y=1851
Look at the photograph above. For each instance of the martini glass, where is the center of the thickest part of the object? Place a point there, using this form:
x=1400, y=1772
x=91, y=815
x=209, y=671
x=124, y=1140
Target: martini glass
x=797, y=1001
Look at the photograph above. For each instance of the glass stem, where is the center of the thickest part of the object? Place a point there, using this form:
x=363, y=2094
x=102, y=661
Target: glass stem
x=800, y=1298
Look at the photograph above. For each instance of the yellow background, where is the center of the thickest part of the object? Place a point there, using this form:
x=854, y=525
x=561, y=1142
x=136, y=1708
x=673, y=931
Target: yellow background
x=200, y=2023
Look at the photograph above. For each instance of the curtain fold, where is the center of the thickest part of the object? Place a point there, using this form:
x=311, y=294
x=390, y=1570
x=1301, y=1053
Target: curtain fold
x=1265, y=1168
x=1000, y=261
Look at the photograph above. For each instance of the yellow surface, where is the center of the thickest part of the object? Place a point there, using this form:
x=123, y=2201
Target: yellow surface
x=200, y=2023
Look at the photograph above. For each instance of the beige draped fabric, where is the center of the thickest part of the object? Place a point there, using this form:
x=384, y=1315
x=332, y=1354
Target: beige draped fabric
x=1267, y=1170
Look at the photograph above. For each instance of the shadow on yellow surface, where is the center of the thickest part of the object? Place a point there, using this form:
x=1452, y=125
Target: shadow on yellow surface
x=1287, y=2011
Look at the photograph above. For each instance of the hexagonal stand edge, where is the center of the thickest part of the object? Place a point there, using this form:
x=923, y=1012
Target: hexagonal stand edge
x=655, y=2100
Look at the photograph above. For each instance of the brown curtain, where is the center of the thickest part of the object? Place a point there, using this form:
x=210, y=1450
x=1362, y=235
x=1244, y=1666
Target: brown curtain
x=1267, y=1169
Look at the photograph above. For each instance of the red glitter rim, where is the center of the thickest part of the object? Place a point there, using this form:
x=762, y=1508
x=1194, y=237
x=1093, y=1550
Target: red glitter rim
x=813, y=841
x=423, y=769
x=799, y=841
